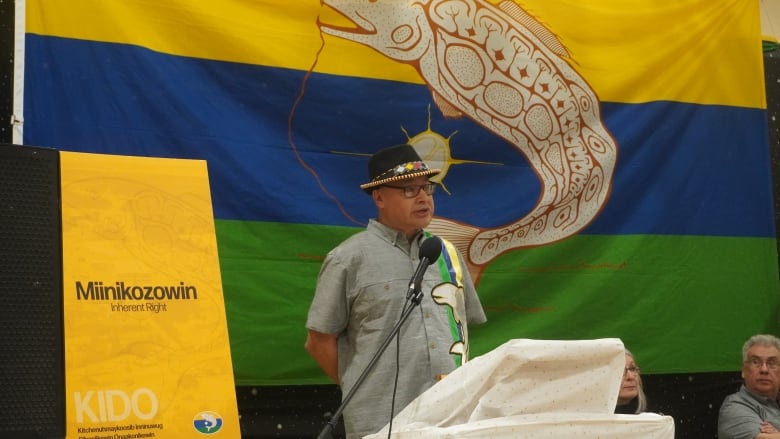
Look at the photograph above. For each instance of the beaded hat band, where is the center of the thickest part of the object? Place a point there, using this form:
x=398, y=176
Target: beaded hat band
x=400, y=162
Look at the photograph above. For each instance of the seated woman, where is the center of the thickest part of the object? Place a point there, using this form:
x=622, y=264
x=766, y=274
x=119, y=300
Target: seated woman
x=631, y=398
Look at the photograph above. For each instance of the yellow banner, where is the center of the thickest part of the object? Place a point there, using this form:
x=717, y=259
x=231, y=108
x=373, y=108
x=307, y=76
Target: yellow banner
x=146, y=341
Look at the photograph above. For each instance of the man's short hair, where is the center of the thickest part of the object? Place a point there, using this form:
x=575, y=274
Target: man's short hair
x=760, y=340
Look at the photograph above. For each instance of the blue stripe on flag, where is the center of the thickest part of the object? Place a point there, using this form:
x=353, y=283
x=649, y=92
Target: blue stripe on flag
x=676, y=161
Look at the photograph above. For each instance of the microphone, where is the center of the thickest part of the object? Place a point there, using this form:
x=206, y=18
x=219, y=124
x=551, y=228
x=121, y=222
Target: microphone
x=430, y=249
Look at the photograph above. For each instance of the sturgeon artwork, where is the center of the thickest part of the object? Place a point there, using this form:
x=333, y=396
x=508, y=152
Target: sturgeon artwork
x=502, y=68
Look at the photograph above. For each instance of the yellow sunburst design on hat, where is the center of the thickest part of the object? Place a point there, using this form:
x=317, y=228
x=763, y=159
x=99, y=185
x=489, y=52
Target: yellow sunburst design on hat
x=434, y=149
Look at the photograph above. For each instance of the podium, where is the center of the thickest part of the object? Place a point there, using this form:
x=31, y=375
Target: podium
x=531, y=388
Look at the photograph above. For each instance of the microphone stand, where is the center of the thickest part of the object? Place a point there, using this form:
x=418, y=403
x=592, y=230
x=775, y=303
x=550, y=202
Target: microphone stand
x=327, y=431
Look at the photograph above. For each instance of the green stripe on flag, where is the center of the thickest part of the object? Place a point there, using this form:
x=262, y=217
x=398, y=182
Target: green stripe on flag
x=680, y=303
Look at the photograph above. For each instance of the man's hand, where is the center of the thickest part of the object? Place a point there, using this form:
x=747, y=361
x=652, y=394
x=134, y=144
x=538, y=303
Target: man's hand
x=766, y=427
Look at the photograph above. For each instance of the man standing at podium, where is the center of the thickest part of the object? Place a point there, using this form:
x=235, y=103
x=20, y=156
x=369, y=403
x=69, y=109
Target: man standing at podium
x=362, y=293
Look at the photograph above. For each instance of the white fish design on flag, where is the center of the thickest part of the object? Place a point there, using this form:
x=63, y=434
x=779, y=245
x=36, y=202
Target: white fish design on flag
x=502, y=68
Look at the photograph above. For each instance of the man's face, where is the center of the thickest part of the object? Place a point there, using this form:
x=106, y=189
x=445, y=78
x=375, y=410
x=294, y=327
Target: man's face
x=405, y=214
x=758, y=373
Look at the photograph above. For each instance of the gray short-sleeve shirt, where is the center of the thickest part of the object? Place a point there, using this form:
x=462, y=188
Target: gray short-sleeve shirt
x=742, y=412
x=360, y=295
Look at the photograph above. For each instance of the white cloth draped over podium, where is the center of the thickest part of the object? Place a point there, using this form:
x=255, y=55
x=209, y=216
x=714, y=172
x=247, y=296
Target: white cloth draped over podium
x=531, y=388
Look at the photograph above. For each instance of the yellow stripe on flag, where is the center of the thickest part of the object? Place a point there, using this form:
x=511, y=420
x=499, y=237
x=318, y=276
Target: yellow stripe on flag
x=628, y=50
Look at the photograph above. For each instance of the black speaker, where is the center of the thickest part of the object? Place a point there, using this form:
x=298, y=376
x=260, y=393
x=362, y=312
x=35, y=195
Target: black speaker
x=32, y=358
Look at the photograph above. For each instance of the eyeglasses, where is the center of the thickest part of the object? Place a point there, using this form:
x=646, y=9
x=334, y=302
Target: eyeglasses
x=413, y=190
x=632, y=369
x=756, y=363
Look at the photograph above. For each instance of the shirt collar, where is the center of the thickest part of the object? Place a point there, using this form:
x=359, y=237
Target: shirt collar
x=757, y=396
x=393, y=236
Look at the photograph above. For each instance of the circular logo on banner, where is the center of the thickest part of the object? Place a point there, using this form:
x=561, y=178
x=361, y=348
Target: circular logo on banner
x=207, y=422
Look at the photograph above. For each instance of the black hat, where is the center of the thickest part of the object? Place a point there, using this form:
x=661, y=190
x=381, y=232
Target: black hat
x=399, y=162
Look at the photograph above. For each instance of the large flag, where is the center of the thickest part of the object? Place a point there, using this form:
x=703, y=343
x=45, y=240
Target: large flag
x=606, y=163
